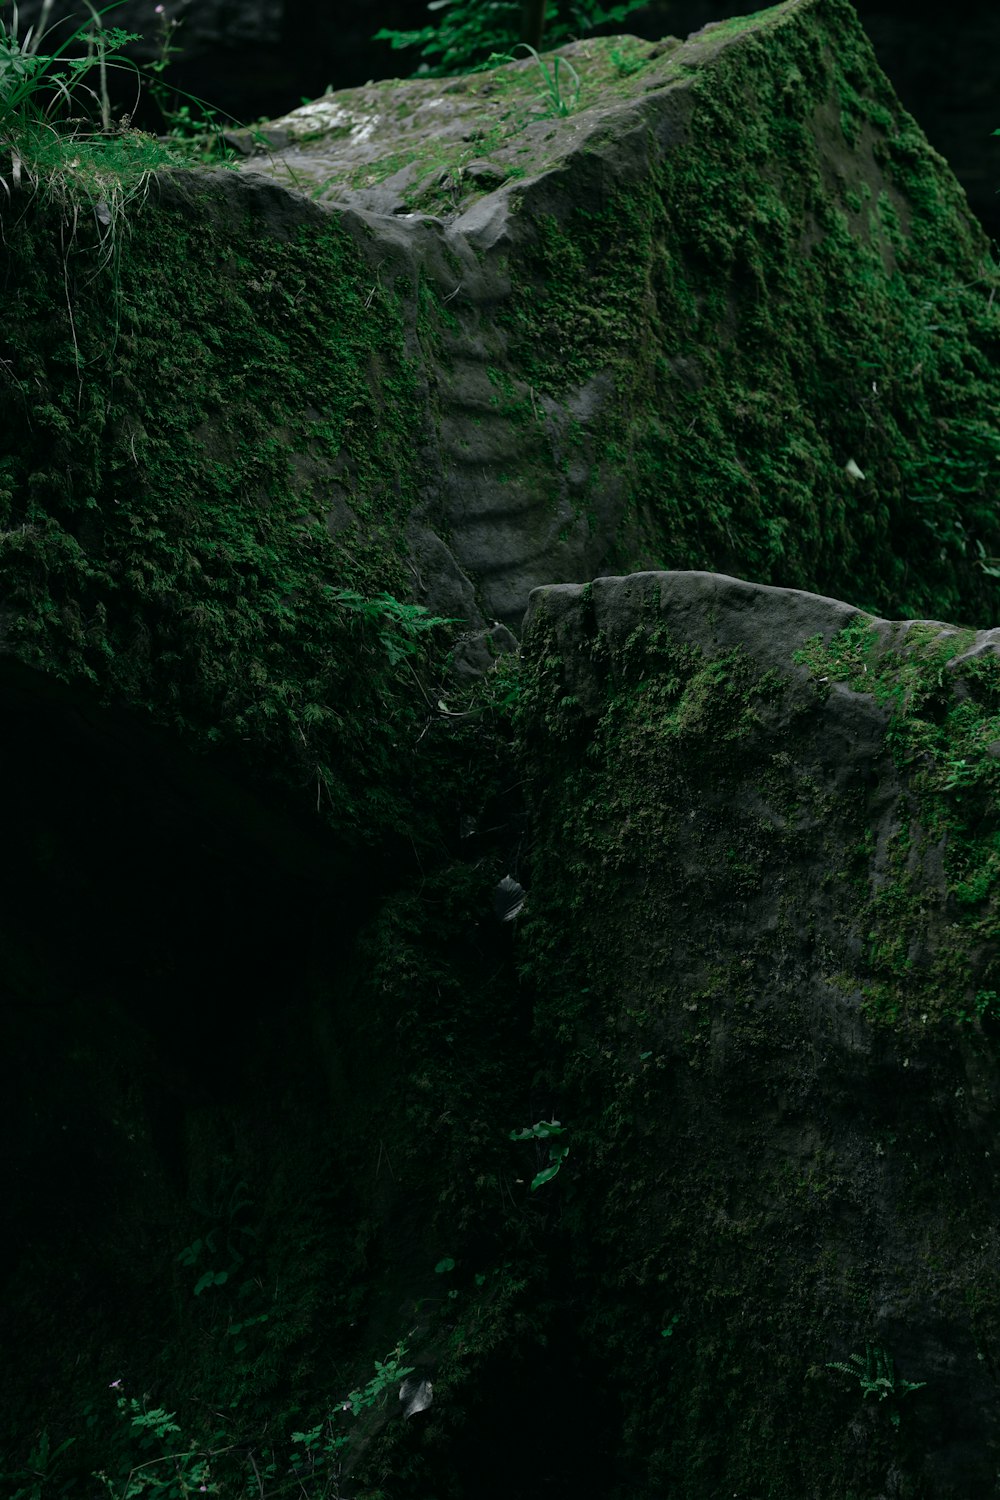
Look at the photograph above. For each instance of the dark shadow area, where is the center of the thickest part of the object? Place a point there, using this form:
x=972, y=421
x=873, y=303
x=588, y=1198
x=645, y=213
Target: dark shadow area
x=158, y=924
x=545, y=1423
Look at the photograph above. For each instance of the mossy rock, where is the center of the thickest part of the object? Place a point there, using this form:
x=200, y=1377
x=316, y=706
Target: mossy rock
x=762, y=931
x=729, y=312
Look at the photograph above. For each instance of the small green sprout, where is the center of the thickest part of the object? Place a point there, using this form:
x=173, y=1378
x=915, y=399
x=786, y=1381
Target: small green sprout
x=559, y=104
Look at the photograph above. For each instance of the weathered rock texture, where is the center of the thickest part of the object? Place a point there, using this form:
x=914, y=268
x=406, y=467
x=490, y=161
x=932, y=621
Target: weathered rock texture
x=283, y=1045
x=457, y=348
x=254, y=60
x=660, y=329
x=763, y=937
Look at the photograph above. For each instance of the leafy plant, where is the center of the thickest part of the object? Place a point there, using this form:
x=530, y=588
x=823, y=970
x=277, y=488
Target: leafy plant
x=183, y=1468
x=193, y=125
x=624, y=65
x=327, y=1439
x=471, y=31
x=545, y=1130
x=875, y=1372
x=57, y=154
x=155, y=1459
x=26, y=74
x=190, y=1256
x=398, y=626
x=959, y=773
x=38, y=91
x=35, y=1479
x=46, y=109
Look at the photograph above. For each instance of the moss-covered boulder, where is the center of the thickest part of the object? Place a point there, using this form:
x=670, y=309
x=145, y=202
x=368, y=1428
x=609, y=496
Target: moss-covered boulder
x=729, y=310
x=762, y=933
x=708, y=316
x=270, y=1036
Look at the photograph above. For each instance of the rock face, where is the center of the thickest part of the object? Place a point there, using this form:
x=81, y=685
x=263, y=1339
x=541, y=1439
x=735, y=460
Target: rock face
x=763, y=939
x=755, y=981
x=282, y=1072
x=605, y=296
x=728, y=312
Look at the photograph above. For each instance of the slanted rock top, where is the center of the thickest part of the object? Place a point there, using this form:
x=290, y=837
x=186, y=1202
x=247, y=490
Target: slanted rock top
x=434, y=146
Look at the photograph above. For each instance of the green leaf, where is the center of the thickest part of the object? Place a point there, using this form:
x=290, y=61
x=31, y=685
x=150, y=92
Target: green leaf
x=540, y=1132
x=545, y=1175
x=445, y=1265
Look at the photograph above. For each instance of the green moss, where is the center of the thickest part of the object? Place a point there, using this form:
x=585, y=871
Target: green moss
x=759, y=335
x=158, y=534
x=703, y=959
x=942, y=733
x=167, y=465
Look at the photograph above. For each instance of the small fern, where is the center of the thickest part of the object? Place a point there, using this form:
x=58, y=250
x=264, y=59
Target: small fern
x=398, y=626
x=875, y=1372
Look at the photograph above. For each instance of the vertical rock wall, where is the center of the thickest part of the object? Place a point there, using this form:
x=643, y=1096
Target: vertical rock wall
x=762, y=936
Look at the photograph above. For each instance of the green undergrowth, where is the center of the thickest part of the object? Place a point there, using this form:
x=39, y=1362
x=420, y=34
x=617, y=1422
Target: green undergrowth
x=465, y=37
x=369, y=1199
